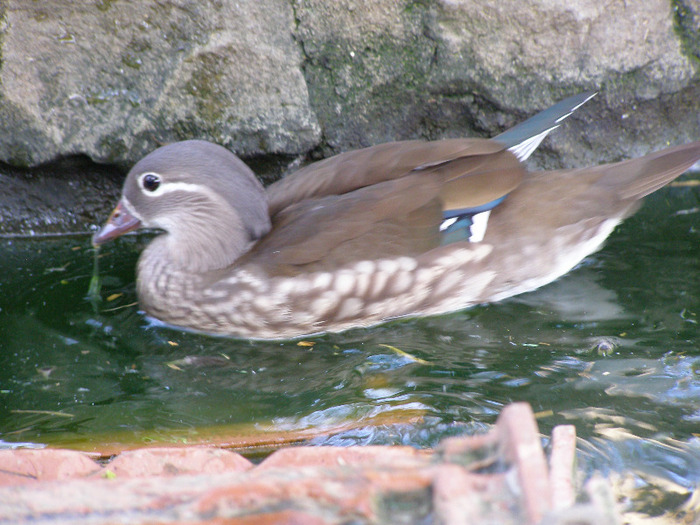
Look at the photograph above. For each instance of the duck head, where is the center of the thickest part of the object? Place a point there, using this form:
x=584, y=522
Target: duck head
x=207, y=201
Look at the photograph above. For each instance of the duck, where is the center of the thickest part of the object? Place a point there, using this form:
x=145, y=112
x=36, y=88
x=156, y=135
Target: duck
x=402, y=229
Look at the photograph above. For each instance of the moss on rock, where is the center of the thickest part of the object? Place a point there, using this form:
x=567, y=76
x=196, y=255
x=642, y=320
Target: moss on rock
x=686, y=21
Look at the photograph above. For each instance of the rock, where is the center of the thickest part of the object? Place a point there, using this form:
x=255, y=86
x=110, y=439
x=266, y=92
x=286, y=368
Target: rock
x=390, y=71
x=58, y=198
x=275, y=79
x=111, y=79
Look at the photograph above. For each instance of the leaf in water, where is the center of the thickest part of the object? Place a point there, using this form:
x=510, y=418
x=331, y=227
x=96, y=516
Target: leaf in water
x=306, y=343
x=46, y=371
x=685, y=183
x=120, y=307
x=688, y=211
x=43, y=412
x=95, y=282
x=198, y=361
x=114, y=296
x=685, y=313
x=406, y=355
x=56, y=269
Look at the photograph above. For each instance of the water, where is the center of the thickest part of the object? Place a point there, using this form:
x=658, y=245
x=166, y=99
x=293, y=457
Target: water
x=612, y=348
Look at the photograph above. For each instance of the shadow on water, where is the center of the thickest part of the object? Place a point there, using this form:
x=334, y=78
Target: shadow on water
x=611, y=348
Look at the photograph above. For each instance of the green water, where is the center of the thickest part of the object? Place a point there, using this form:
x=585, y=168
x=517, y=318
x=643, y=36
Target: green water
x=612, y=348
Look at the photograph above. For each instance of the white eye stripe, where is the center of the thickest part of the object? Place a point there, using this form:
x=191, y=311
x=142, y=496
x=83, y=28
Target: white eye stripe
x=169, y=187
x=129, y=207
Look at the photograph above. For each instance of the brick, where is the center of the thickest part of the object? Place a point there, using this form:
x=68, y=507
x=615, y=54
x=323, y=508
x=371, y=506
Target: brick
x=463, y=497
x=470, y=451
x=562, y=462
x=370, y=456
x=298, y=489
x=522, y=447
x=175, y=461
x=285, y=517
x=19, y=467
x=499, y=477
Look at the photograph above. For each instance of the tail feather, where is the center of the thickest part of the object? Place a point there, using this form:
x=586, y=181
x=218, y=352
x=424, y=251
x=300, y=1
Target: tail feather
x=524, y=138
x=636, y=178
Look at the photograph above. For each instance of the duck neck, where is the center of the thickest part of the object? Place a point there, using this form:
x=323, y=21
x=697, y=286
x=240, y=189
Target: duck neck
x=199, y=248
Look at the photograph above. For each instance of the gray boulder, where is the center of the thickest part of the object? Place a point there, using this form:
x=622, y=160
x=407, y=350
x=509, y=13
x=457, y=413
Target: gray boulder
x=283, y=79
x=392, y=70
x=111, y=79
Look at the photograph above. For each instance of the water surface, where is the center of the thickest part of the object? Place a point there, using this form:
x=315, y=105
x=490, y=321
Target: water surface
x=611, y=348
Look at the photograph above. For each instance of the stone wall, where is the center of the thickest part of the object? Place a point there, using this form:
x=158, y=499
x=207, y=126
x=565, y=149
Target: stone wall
x=112, y=79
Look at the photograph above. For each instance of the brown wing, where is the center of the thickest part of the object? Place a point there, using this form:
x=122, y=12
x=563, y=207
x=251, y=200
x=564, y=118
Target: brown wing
x=354, y=207
x=450, y=159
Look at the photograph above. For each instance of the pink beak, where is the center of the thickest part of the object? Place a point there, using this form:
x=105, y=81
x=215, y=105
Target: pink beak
x=119, y=223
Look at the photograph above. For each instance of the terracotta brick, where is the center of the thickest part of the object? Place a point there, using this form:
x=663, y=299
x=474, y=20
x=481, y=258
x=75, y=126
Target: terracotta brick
x=346, y=492
x=19, y=467
x=522, y=447
x=370, y=456
x=176, y=461
x=472, y=451
x=298, y=489
x=500, y=477
x=285, y=517
x=562, y=462
x=151, y=499
x=400, y=479
x=463, y=497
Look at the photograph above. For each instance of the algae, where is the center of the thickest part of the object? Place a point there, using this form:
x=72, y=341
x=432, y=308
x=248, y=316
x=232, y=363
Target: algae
x=3, y=29
x=686, y=23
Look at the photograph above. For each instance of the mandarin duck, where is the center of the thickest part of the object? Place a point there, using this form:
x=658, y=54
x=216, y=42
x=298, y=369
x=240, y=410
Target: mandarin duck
x=410, y=228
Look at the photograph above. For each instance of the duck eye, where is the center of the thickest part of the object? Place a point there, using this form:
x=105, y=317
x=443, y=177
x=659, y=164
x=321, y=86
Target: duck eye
x=150, y=182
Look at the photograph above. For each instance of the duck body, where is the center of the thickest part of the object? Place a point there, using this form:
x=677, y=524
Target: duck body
x=366, y=236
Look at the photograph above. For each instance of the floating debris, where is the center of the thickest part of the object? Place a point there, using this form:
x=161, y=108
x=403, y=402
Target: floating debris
x=95, y=282
x=42, y=412
x=408, y=356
